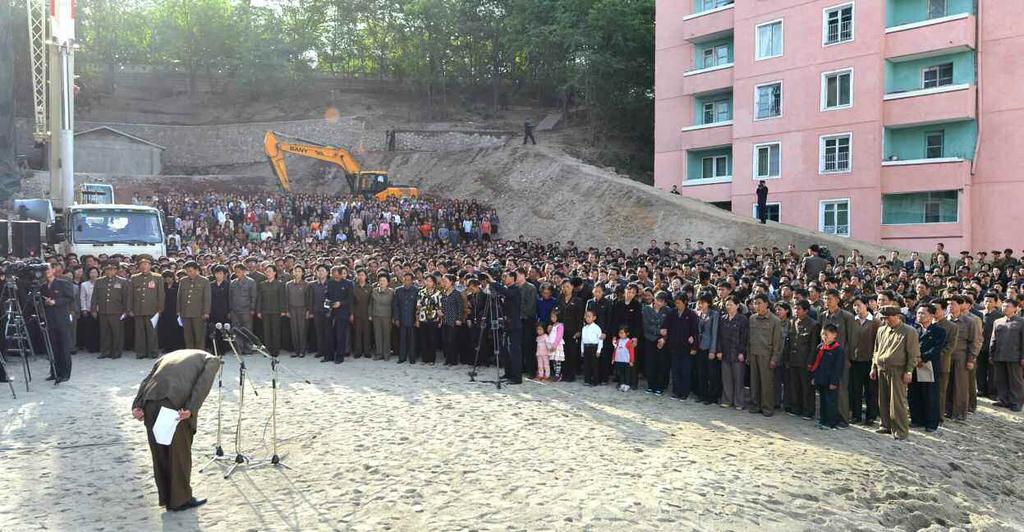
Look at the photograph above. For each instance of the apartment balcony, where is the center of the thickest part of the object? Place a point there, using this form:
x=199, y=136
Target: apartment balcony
x=923, y=175
x=711, y=135
x=939, y=36
x=949, y=103
x=704, y=80
x=708, y=25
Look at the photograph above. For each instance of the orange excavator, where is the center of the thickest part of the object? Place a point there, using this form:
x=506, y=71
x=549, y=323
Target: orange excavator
x=365, y=183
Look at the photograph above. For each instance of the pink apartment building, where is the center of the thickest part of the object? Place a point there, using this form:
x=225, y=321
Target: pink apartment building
x=891, y=121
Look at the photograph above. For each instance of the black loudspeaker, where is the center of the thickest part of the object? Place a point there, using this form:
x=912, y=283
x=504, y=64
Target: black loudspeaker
x=26, y=239
x=5, y=243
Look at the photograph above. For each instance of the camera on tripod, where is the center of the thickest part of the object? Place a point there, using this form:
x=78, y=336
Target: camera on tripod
x=32, y=273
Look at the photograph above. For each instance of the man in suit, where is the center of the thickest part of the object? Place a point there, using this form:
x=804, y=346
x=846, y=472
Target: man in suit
x=110, y=301
x=147, y=300
x=179, y=380
x=340, y=296
x=58, y=294
x=194, y=305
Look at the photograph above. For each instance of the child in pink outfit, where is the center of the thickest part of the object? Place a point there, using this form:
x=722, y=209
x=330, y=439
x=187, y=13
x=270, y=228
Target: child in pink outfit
x=556, y=344
x=543, y=369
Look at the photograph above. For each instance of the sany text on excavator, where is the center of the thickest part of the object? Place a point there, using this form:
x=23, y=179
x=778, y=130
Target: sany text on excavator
x=365, y=183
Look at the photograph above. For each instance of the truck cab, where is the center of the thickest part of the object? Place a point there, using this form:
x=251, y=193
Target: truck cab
x=96, y=229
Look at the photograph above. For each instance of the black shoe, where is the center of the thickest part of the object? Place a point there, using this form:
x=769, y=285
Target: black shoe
x=324, y=360
x=843, y=425
x=192, y=503
x=339, y=360
x=401, y=361
x=65, y=379
x=357, y=356
x=883, y=430
x=931, y=429
x=51, y=378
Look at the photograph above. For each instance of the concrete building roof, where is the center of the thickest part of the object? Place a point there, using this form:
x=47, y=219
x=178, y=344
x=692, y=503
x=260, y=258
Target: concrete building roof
x=119, y=133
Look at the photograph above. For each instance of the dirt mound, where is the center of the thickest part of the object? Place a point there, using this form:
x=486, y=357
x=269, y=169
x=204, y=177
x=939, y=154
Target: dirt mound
x=542, y=192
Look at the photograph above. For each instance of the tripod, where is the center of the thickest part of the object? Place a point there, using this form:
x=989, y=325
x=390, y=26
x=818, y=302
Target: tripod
x=16, y=331
x=492, y=321
x=218, y=451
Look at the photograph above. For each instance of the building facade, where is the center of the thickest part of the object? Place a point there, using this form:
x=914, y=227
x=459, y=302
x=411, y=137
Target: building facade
x=890, y=121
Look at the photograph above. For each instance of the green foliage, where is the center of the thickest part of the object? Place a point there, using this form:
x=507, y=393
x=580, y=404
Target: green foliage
x=600, y=51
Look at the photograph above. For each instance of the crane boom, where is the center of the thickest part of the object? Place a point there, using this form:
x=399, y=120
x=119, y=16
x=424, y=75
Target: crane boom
x=37, y=37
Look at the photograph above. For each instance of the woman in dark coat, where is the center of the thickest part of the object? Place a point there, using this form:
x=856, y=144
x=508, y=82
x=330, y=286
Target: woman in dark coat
x=169, y=334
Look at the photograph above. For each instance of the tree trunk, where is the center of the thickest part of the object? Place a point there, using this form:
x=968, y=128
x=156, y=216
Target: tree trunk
x=10, y=181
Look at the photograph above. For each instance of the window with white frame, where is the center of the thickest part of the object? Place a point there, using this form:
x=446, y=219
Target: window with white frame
x=837, y=89
x=834, y=217
x=712, y=4
x=715, y=56
x=774, y=211
x=767, y=160
x=769, y=40
x=716, y=111
x=934, y=144
x=937, y=76
x=768, y=100
x=714, y=166
x=835, y=154
x=936, y=8
x=838, y=24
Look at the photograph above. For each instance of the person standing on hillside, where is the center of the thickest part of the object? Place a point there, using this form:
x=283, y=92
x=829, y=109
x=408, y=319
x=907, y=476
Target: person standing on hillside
x=528, y=133
x=762, y=202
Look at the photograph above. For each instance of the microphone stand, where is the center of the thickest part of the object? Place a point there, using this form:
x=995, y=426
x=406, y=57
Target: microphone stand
x=218, y=451
x=240, y=459
x=275, y=459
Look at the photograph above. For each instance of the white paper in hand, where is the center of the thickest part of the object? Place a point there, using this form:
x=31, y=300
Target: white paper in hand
x=166, y=423
x=926, y=373
x=154, y=319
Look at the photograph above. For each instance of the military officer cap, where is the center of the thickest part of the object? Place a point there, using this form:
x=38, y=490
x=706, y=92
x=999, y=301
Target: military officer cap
x=192, y=264
x=889, y=310
x=143, y=258
x=220, y=268
x=109, y=264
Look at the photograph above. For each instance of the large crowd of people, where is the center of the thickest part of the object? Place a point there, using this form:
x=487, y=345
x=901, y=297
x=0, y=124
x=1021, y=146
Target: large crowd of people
x=897, y=340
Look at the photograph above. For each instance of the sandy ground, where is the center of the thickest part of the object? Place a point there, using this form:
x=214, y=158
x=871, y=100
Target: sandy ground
x=378, y=446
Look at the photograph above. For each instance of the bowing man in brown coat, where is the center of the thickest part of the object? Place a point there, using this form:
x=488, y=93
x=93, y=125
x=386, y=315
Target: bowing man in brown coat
x=179, y=380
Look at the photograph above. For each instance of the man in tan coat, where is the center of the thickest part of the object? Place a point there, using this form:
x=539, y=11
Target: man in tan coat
x=764, y=348
x=147, y=301
x=897, y=353
x=179, y=380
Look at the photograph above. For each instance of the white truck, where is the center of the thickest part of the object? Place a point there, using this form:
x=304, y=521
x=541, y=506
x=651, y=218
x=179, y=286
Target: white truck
x=96, y=229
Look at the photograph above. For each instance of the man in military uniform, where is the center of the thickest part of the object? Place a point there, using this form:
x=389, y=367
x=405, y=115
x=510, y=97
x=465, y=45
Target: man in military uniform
x=147, y=301
x=110, y=301
x=361, y=292
x=946, y=364
x=194, y=303
x=897, y=353
x=965, y=353
x=242, y=295
x=271, y=307
x=806, y=334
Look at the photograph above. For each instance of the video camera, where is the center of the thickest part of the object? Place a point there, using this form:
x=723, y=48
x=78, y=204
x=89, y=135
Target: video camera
x=32, y=273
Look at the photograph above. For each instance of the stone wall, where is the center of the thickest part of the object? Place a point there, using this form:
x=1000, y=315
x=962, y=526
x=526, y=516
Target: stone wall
x=196, y=147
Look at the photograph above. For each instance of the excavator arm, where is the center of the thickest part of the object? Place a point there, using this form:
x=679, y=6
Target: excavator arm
x=276, y=145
